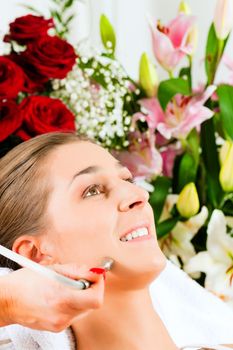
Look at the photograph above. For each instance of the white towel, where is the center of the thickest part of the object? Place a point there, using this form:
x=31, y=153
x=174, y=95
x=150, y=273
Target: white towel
x=192, y=316
x=16, y=337
x=23, y=338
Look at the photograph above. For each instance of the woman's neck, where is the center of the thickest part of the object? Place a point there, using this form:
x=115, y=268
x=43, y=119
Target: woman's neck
x=127, y=320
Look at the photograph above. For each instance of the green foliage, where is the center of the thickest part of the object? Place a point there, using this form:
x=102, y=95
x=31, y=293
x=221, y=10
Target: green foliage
x=63, y=16
x=169, y=88
x=187, y=171
x=165, y=227
x=62, y=13
x=162, y=185
x=211, y=162
x=225, y=94
x=211, y=54
x=189, y=161
x=107, y=33
x=214, y=51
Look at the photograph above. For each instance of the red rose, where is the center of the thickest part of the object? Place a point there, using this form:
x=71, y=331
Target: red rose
x=28, y=28
x=10, y=119
x=33, y=81
x=42, y=114
x=50, y=57
x=11, y=78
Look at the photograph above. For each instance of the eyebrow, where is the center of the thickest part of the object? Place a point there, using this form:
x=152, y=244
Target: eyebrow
x=94, y=169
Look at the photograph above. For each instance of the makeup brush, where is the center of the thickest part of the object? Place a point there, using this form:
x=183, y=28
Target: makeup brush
x=46, y=271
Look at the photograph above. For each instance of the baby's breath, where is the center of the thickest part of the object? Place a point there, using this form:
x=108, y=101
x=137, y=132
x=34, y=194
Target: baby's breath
x=97, y=91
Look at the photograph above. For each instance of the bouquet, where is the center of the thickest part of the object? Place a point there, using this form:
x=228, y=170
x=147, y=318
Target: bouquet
x=177, y=140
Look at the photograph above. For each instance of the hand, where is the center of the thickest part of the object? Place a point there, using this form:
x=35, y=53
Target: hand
x=34, y=301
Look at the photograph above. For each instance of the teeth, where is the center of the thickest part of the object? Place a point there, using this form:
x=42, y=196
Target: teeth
x=137, y=233
x=129, y=237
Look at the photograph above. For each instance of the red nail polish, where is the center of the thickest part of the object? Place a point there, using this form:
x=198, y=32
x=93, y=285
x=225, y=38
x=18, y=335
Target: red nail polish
x=99, y=271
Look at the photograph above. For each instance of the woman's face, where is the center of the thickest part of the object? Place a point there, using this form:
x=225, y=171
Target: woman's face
x=93, y=205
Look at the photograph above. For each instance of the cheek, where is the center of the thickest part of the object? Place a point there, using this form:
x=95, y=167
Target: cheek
x=84, y=236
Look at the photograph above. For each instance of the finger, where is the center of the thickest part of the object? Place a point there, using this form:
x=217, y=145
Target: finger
x=90, y=298
x=76, y=272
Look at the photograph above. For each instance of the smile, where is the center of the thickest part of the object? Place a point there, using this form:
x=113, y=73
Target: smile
x=139, y=234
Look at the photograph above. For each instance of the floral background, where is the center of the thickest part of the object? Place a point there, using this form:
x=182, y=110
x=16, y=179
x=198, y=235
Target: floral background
x=176, y=137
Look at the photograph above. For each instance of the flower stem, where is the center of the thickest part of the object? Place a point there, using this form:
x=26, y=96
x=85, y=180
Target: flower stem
x=190, y=72
x=171, y=76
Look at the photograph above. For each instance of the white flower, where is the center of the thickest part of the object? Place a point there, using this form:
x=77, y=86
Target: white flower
x=99, y=108
x=178, y=242
x=217, y=261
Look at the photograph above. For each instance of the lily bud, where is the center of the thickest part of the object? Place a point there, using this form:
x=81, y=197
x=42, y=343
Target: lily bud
x=223, y=18
x=148, y=76
x=107, y=33
x=224, y=151
x=184, y=8
x=188, y=202
x=226, y=172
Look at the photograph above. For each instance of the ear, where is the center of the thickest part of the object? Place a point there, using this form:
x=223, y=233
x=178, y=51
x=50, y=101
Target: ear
x=30, y=247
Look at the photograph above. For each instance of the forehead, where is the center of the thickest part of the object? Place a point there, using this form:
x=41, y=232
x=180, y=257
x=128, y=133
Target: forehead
x=70, y=158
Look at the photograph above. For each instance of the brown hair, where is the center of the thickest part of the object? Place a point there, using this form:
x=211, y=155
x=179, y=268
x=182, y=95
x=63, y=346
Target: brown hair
x=24, y=188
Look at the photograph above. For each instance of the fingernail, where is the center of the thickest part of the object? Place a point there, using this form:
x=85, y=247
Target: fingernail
x=99, y=271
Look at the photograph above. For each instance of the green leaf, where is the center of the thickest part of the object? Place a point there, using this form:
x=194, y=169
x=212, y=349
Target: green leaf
x=68, y=4
x=166, y=226
x=69, y=19
x=107, y=33
x=187, y=171
x=214, y=51
x=227, y=207
x=169, y=88
x=56, y=15
x=211, y=162
x=194, y=144
x=162, y=185
x=225, y=94
x=211, y=54
x=184, y=72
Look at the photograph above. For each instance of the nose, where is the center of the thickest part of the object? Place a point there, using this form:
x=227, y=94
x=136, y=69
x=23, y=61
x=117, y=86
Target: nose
x=132, y=196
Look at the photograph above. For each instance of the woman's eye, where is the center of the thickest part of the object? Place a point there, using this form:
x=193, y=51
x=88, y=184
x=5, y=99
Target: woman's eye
x=131, y=180
x=93, y=190
x=97, y=189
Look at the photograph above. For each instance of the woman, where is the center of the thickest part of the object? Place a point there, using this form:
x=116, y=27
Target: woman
x=65, y=199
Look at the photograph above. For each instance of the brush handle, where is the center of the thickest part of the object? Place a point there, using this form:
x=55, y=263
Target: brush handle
x=25, y=262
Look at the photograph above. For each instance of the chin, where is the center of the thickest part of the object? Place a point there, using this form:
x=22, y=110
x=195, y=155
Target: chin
x=137, y=271
x=159, y=263
x=152, y=268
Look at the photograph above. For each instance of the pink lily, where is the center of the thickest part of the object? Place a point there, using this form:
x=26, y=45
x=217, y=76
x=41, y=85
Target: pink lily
x=142, y=158
x=153, y=112
x=169, y=155
x=171, y=44
x=185, y=113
